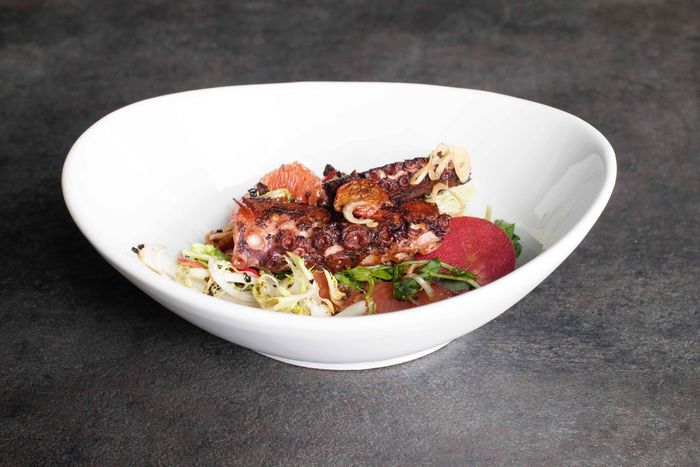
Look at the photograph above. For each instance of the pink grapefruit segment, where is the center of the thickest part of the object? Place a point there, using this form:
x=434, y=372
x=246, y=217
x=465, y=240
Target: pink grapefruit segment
x=302, y=183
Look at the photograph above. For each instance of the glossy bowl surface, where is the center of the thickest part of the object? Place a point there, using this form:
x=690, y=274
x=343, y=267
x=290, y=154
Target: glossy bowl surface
x=165, y=171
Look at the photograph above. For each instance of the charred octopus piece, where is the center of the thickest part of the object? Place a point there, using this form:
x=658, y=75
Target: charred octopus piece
x=221, y=238
x=395, y=179
x=404, y=230
x=265, y=229
x=362, y=198
x=330, y=173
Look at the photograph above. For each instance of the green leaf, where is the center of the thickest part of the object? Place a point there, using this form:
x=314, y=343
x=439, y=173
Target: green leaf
x=396, y=272
x=363, y=279
x=279, y=193
x=507, y=227
x=509, y=230
x=209, y=250
x=348, y=281
x=360, y=273
x=385, y=273
x=454, y=286
x=365, y=274
x=431, y=267
x=459, y=272
x=406, y=289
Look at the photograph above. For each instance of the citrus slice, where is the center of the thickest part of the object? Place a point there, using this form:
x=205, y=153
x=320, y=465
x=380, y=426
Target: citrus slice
x=299, y=180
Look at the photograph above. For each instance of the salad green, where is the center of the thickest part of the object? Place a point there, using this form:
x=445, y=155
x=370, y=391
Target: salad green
x=209, y=269
x=509, y=230
x=408, y=277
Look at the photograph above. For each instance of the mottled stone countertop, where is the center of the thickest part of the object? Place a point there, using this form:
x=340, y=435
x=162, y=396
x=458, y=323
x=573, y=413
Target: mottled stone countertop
x=599, y=365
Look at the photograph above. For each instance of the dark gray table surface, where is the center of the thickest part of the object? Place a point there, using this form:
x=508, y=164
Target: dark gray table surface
x=598, y=365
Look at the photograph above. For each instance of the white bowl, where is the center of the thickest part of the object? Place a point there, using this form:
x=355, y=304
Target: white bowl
x=165, y=170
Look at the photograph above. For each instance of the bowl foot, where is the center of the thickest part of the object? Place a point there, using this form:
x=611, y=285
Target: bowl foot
x=359, y=365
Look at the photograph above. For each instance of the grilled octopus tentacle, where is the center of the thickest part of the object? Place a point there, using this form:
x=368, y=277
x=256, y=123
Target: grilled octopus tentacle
x=265, y=229
x=395, y=179
x=368, y=218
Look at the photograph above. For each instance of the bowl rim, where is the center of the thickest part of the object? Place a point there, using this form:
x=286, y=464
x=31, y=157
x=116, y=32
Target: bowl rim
x=244, y=315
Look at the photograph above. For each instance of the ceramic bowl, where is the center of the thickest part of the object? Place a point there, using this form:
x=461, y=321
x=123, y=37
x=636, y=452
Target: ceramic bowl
x=165, y=171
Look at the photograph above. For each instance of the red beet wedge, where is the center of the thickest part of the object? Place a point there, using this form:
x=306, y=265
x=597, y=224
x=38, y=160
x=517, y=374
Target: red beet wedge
x=476, y=245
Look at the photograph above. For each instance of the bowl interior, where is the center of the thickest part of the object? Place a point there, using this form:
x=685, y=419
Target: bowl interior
x=165, y=170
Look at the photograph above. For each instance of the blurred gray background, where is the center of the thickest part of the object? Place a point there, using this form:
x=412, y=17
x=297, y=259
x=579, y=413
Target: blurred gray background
x=599, y=365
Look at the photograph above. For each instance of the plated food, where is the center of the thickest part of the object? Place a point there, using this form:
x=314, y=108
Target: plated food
x=347, y=244
x=184, y=156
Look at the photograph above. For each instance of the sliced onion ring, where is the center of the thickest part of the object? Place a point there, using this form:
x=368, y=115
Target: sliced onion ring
x=418, y=177
x=432, y=198
x=462, y=163
x=350, y=217
x=333, y=290
x=217, y=276
x=413, y=267
x=441, y=166
x=356, y=309
x=423, y=285
x=154, y=257
x=439, y=160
